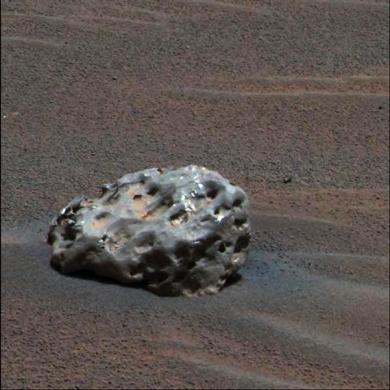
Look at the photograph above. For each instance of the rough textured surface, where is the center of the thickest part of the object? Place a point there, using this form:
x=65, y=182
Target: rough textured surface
x=179, y=231
x=283, y=88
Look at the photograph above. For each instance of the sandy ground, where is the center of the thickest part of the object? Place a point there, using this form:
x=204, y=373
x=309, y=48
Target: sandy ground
x=260, y=91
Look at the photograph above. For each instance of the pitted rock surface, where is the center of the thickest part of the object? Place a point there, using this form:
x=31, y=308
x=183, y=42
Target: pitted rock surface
x=177, y=231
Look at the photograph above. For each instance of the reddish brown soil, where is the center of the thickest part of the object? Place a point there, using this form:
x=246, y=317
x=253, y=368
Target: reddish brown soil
x=260, y=91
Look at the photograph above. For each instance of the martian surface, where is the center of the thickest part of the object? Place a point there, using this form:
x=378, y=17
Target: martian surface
x=289, y=100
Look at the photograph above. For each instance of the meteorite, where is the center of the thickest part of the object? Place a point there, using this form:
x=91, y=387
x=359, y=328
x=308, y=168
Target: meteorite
x=178, y=231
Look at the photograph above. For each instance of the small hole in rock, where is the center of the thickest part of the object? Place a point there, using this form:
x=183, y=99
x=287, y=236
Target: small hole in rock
x=69, y=233
x=181, y=273
x=102, y=215
x=237, y=203
x=206, y=218
x=216, y=211
x=180, y=216
x=153, y=191
x=168, y=202
x=114, y=197
x=222, y=247
x=242, y=243
x=212, y=193
x=191, y=264
x=157, y=259
x=182, y=251
x=135, y=197
x=239, y=221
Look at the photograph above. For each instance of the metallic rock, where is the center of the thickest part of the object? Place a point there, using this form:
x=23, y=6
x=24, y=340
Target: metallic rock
x=178, y=231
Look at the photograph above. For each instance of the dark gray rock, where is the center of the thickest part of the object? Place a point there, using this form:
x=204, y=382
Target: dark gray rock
x=182, y=231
